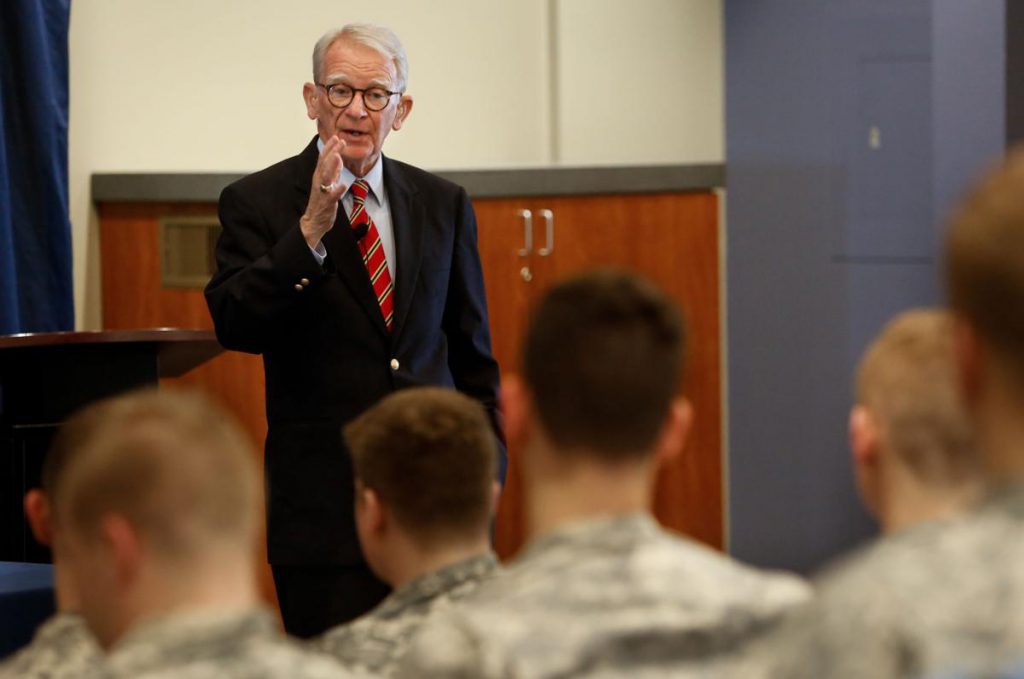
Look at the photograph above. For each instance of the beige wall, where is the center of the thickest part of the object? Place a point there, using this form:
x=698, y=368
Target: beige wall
x=200, y=85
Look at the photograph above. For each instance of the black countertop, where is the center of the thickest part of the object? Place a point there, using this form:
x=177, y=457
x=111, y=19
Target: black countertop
x=199, y=187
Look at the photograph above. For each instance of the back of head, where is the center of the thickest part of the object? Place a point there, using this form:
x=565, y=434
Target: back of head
x=603, y=359
x=175, y=466
x=985, y=261
x=430, y=455
x=907, y=380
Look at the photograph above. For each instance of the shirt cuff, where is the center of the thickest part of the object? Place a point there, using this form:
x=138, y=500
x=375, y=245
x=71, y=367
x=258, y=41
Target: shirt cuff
x=319, y=252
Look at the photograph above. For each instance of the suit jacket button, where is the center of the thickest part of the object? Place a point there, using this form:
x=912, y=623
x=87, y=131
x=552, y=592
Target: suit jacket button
x=394, y=364
x=304, y=281
x=299, y=287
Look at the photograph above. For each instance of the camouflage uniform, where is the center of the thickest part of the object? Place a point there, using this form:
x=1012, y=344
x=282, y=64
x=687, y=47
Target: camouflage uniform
x=378, y=640
x=936, y=600
x=61, y=647
x=215, y=644
x=615, y=596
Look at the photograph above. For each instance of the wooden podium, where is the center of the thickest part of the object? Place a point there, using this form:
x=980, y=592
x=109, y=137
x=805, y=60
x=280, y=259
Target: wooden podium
x=45, y=377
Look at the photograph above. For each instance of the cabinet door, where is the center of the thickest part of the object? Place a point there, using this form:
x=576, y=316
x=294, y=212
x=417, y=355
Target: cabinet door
x=673, y=240
x=506, y=259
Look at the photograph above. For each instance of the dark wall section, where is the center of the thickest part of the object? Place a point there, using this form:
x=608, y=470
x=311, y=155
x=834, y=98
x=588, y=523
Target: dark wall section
x=970, y=66
x=836, y=161
x=1014, y=71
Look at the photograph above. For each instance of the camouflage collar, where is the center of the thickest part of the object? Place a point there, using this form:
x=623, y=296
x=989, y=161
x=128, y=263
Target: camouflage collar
x=430, y=585
x=189, y=635
x=615, y=532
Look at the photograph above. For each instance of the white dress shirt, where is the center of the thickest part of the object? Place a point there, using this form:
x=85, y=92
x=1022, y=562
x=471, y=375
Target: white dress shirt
x=376, y=206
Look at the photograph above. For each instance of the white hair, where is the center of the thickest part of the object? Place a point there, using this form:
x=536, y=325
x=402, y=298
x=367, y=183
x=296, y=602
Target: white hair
x=377, y=38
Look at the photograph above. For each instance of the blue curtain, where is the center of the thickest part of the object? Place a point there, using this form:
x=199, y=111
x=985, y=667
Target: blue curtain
x=35, y=232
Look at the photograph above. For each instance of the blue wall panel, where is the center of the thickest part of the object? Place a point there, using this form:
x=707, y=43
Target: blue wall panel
x=829, y=235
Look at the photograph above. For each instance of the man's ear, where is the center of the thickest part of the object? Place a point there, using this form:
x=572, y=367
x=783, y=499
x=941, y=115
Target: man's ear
x=125, y=547
x=404, y=109
x=864, y=438
x=517, y=410
x=675, y=431
x=37, y=511
x=309, y=95
x=372, y=508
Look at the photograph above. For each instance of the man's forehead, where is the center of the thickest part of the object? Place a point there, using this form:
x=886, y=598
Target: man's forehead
x=347, y=78
x=351, y=62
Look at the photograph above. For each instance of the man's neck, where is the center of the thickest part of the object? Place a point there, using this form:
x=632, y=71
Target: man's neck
x=582, y=489
x=414, y=561
x=221, y=585
x=1000, y=426
x=66, y=595
x=909, y=503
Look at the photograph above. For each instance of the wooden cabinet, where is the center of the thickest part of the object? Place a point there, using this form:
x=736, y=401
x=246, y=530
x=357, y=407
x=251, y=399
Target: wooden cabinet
x=528, y=244
x=670, y=237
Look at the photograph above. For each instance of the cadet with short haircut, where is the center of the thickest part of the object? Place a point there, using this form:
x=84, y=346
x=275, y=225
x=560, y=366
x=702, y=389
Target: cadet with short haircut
x=912, y=445
x=63, y=646
x=916, y=469
x=158, y=507
x=601, y=589
x=424, y=462
x=952, y=599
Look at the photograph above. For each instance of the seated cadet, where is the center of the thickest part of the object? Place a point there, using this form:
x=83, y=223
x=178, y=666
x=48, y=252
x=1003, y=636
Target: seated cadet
x=63, y=645
x=601, y=589
x=954, y=605
x=157, y=508
x=915, y=467
x=424, y=464
x=913, y=451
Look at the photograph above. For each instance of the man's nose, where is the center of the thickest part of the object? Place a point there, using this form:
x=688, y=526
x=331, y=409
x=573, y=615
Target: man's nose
x=356, y=107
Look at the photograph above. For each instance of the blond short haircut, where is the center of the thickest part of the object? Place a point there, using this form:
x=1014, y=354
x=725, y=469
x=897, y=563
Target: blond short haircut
x=175, y=465
x=985, y=260
x=430, y=454
x=907, y=379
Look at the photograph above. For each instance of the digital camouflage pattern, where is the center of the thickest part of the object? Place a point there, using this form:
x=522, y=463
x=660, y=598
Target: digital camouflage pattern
x=222, y=645
x=613, y=597
x=61, y=647
x=378, y=640
x=940, y=599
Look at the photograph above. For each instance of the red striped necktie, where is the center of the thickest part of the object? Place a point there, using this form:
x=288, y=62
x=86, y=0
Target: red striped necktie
x=373, y=252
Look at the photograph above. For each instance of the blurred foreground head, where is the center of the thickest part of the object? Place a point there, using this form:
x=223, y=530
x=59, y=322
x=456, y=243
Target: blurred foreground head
x=157, y=501
x=913, y=450
x=602, y=360
x=985, y=280
x=596, y=408
x=425, y=461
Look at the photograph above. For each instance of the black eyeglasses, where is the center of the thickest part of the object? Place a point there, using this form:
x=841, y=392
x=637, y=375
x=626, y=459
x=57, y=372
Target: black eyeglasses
x=374, y=98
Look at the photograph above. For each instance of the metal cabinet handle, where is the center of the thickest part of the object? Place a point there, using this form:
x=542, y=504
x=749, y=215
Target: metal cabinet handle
x=549, y=228
x=527, y=233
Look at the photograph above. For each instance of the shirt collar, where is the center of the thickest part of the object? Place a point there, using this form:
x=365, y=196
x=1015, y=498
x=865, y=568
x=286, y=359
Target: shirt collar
x=374, y=178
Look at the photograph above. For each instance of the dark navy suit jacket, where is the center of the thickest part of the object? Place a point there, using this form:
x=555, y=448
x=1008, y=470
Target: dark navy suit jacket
x=327, y=355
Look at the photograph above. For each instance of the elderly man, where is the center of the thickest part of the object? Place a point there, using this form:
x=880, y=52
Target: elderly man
x=158, y=512
x=424, y=461
x=354, y=275
x=601, y=589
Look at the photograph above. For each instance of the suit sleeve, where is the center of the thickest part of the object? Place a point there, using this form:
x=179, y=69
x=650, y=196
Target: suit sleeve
x=471, y=362
x=260, y=270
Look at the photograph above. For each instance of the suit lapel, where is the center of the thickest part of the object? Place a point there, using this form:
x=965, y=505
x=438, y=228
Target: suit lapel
x=407, y=223
x=342, y=250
